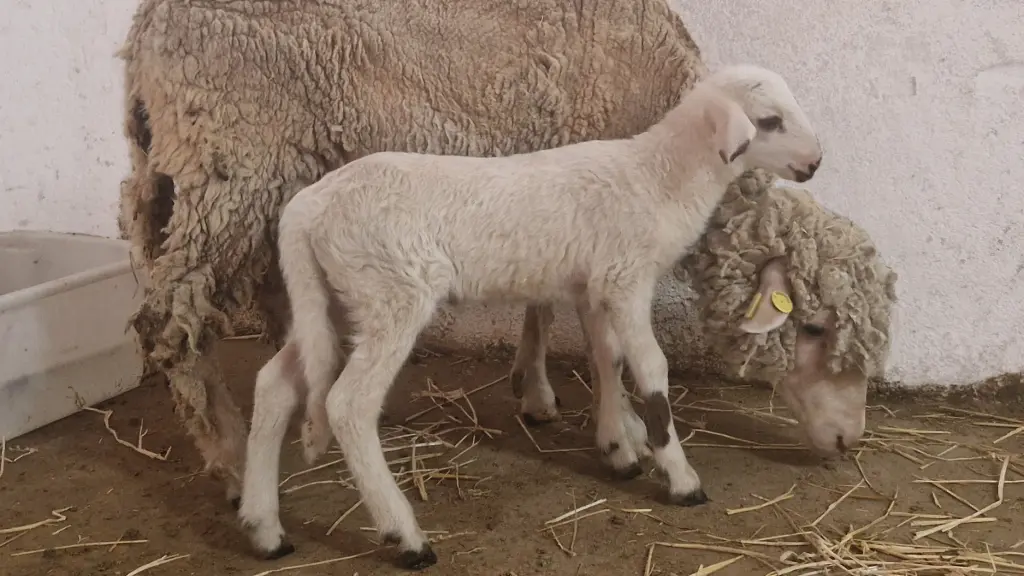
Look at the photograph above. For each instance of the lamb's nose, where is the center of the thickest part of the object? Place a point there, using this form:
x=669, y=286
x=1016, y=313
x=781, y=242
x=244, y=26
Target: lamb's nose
x=814, y=167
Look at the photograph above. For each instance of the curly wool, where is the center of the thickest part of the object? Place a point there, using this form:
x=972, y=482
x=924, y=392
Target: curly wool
x=830, y=262
x=232, y=106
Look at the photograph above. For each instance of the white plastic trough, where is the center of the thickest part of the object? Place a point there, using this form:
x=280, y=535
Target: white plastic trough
x=65, y=301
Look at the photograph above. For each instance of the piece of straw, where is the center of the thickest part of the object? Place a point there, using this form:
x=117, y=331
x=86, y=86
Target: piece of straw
x=715, y=548
x=954, y=523
x=57, y=519
x=315, y=564
x=165, y=559
x=545, y=450
x=649, y=565
x=79, y=545
x=782, y=498
x=136, y=447
x=450, y=400
x=833, y=505
x=706, y=570
x=575, y=511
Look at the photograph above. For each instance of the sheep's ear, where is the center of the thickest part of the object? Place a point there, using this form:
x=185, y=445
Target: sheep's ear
x=732, y=130
x=771, y=304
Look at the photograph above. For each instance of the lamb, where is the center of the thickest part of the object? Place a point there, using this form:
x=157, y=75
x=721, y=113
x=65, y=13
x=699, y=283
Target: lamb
x=394, y=235
x=233, y=106
x=820, y=352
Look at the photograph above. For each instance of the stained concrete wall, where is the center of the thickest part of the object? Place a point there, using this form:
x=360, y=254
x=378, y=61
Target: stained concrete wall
x=919, y=104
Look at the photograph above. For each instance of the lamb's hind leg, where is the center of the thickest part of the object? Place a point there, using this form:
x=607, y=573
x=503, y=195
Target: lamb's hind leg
x=279, y=385
x=538, y=403
x=630, y=318
x=273, y=301
x=353, y=406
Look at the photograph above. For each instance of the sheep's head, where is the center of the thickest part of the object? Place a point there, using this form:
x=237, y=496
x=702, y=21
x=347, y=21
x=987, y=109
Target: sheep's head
x=757, y=123
x=795, y=295
x=829, y=406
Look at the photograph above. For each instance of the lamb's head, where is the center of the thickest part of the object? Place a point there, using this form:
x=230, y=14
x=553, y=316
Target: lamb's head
x=797, y=296
x=756, y=122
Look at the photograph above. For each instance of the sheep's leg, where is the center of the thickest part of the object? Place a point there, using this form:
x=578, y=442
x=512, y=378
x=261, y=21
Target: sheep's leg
x=279, y=385
x=633, y=430
x=538, y=403
x=204, y=403
x=215, y=251
x=353, y=406
x=616, y=438
x=631, y=321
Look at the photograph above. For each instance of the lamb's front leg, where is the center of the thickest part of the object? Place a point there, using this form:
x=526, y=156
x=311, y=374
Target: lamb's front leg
x=538, y=403
x=621, y=436
x=630, y=319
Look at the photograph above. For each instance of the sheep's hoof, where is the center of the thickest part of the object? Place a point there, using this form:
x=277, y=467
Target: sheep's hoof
x=629, y=472
x=283, y=549
x=236, y=503
x=534, y=421
x=417, y=559
x=695, y=498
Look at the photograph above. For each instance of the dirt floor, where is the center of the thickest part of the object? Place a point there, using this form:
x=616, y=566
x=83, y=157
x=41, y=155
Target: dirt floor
x=924, y=466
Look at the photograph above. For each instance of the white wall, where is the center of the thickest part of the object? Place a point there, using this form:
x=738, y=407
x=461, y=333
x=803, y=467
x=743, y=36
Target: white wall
x=920, y=104
x=62, y=156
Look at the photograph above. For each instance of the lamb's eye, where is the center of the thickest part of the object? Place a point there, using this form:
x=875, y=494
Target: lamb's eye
x=813, y=329
x=770, y=124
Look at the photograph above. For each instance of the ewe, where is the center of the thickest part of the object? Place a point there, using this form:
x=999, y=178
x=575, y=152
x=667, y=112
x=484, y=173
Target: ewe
x=597, y=223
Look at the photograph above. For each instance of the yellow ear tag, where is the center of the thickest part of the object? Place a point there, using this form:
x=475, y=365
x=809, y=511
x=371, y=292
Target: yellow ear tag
x=782, y=302
x=753, y=305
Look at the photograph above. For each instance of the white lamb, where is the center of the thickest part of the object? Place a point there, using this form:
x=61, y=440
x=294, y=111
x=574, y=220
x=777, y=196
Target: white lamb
x=595, y=223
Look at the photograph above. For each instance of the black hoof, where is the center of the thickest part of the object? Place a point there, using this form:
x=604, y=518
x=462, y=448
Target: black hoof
x=533, y=422
x=629, y=472
x=281, y=551
x=558, y=402
x=236, y=502
x=695, y=498
x=517, y=383
x=417, y=559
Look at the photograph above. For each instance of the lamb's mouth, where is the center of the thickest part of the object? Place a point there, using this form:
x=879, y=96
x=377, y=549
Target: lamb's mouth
x=799, y=176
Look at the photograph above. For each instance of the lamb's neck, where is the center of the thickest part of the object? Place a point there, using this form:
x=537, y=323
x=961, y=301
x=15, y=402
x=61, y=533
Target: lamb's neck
x=691, y=177
x=685, y=162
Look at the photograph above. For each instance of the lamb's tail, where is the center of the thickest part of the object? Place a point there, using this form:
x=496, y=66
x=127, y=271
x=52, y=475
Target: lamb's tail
x=312, y=329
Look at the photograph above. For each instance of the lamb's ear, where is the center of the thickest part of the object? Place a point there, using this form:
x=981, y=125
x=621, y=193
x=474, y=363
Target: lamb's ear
x=732, y=130
x=771, y=304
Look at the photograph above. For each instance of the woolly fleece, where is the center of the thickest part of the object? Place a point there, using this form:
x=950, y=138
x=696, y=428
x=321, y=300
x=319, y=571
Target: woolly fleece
x=232, y=106
x=831, y=263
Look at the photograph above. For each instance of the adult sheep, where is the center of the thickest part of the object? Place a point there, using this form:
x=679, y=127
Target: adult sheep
x=233, y=106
